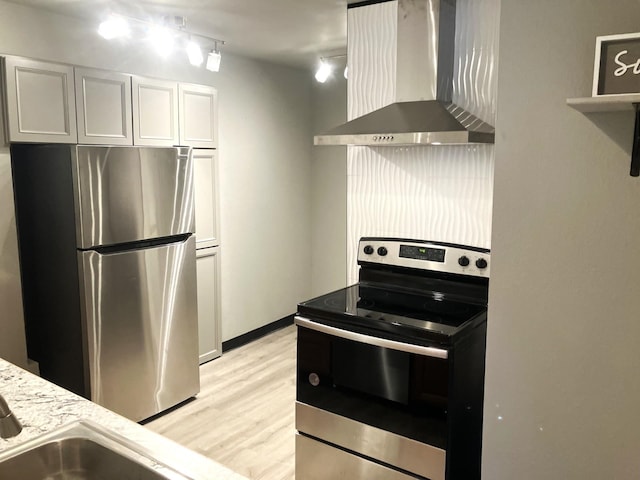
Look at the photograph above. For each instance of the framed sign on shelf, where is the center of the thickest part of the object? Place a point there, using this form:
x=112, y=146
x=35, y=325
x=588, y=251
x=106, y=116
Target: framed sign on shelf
x=616, y=69
x=616, y=84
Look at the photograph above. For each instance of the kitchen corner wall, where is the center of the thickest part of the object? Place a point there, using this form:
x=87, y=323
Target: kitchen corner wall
x=562, y=376
x=435, y=193
x=265, y=165
x=265, y=176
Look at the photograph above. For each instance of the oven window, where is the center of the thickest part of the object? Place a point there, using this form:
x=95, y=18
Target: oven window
x=375, y=371
x=400, y=392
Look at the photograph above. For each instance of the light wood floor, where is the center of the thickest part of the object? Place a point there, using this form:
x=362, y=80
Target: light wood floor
x=243, y=417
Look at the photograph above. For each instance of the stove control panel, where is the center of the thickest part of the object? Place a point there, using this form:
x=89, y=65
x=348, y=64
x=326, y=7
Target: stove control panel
x=425, y=255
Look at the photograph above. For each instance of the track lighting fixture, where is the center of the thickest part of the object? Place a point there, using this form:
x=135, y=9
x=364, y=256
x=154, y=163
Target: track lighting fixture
x=164, y=36
x=326, y=67
x=194, y=52
x=114, y=27
x=324, y=71
x=161, y=39
x=213, y=59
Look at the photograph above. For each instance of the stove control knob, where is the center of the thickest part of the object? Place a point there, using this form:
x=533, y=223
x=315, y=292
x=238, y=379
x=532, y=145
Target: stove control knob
x=382, y=251
x=463, y=261
x=481, y=263
x=368, y=249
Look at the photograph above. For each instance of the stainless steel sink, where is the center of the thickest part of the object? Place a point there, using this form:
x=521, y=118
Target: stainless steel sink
x=83, y=451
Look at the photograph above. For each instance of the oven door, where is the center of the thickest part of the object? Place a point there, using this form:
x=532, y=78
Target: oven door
x=381, y=399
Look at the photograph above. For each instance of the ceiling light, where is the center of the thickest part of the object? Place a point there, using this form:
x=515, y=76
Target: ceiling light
x=327, y=65
x=114, y=27
x=164, y=36
x=323, y=72
x=213, y=60
x=194, y=53
x=161, y=38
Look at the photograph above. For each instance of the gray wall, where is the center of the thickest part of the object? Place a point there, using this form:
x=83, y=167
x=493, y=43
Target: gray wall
x=329, y=191
x=265, y=174
x=265, y=165
x=563, y=362
x=12, y=341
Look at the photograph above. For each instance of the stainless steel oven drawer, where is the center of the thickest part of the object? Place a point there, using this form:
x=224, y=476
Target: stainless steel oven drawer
x=319, y=461
x=416, y=457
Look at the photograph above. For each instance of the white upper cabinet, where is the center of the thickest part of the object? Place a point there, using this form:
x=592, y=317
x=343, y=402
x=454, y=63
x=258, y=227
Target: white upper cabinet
x=155, y=112
x=103, y=102
x=40, y=101
x=43, y=100
x=205, y=174
x=198, y=116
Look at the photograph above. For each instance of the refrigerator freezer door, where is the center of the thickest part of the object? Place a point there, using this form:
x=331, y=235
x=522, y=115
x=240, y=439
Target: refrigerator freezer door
x=125, y=194
x=140, y=314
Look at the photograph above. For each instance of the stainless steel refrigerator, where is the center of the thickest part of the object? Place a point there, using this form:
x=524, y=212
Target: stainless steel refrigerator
x=107, y=257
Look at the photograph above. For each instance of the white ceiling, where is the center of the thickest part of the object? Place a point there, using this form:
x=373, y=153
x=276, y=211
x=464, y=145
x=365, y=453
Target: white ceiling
x=290, y=32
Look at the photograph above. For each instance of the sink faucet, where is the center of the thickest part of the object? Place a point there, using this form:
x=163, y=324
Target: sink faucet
x=9, y=425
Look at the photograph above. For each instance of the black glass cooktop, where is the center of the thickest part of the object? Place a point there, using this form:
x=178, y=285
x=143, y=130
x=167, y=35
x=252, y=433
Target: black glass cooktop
x=361, y=307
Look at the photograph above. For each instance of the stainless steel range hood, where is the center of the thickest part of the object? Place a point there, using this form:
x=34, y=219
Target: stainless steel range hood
x=422, y=113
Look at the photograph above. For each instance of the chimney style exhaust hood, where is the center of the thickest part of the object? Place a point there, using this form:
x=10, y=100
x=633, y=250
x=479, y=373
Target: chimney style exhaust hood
x=422, y=113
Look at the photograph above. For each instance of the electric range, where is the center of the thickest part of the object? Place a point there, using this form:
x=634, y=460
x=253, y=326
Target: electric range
x=390, y=373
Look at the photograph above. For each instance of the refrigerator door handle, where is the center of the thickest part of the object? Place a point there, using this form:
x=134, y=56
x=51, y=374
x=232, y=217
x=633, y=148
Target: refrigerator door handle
x=156, y=242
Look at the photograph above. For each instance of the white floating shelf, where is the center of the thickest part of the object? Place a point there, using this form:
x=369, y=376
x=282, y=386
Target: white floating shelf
x=609, y=103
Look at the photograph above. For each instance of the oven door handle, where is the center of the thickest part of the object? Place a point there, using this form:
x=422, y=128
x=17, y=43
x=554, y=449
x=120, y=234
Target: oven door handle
x=369, y=340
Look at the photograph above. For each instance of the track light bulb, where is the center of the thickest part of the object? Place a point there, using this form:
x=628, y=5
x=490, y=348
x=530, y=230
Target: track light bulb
x=323, y=72
x=114, y=27
x=213, y=61
x=161, y=39
x=194, y=53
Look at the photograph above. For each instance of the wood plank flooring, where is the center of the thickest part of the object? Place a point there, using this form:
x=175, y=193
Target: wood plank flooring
x=243, y=417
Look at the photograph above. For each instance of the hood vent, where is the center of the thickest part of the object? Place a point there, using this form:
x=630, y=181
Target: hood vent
x=423, y=113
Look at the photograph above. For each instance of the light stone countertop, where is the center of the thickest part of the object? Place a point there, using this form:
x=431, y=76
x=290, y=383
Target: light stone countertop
x=42, y=407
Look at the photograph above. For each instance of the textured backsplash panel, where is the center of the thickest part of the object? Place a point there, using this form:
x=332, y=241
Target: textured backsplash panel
x=475, y=70
x=371, y=57
x=435, y=193
x=415, y=193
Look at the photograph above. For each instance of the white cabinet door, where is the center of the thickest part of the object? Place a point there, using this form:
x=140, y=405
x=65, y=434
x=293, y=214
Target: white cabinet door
x=103, y=101
x=205, y=173
x=40, y=101
x=198, y=116
x=155, y=112
x=209, y=330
